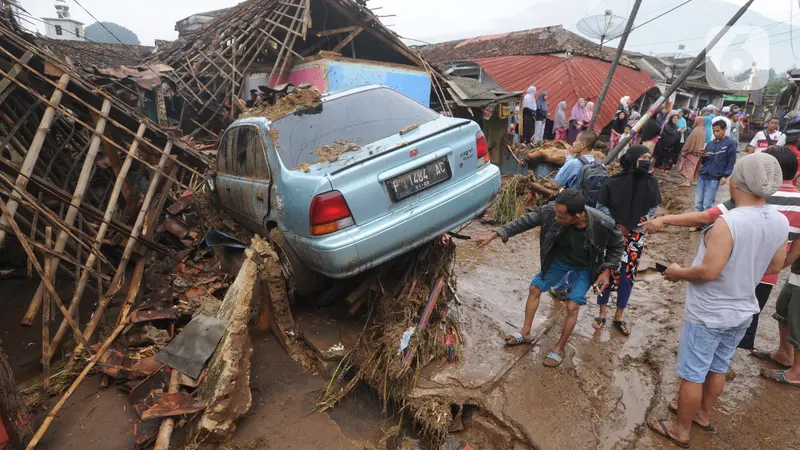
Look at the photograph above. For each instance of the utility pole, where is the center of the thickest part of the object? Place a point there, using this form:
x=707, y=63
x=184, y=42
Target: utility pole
x=679, y=81
x=621, y=48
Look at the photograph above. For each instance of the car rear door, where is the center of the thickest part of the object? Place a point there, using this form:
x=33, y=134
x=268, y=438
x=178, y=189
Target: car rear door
x=256, y=180
x=224, y=182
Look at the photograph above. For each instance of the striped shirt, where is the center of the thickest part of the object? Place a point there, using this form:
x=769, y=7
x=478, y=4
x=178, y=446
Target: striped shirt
x=787, y=201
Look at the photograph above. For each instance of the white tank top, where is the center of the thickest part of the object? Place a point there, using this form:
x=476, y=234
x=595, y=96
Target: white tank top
x=730, y=300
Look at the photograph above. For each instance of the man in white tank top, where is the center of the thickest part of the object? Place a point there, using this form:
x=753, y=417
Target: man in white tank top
x=743, y=245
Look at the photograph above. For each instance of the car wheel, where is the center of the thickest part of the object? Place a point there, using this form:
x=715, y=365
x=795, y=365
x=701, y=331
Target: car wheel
x=301, y=282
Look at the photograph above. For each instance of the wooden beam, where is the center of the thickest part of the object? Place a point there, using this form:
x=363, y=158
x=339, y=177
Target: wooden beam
x=348, y=38
x=16, y=70
x=98, y=240
x=32, y=156
x=338, y=31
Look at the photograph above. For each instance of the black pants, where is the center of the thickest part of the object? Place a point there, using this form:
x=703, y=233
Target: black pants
x=762, y=294
x=528, y=126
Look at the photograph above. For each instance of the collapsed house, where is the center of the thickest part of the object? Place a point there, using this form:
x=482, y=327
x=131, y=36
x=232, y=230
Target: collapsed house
x=262, y=44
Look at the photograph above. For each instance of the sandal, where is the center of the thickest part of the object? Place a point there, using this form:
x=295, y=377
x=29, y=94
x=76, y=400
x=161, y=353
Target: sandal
x=778, y=376
x=517, y=339
x=710, y=428
x=599, y=323
x=663, y=431
x=767, y=356
x=622, y=327
x=555, y=357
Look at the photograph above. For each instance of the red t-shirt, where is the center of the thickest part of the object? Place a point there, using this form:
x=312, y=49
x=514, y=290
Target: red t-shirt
x=787, y=201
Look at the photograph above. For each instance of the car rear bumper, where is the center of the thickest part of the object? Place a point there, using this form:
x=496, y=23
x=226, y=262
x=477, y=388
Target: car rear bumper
x=357, y=249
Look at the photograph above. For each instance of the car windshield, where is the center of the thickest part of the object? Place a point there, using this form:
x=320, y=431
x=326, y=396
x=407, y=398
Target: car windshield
x=363, y=118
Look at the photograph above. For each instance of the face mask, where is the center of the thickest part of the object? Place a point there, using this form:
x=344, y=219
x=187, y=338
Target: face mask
x=644, y=166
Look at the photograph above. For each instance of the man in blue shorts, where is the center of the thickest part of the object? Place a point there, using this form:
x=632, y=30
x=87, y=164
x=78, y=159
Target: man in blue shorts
x=577, y=244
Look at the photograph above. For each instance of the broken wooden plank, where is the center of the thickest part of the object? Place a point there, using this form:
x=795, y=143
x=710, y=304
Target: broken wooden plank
x=338, y=31
x=348, y=39
x=13, y=73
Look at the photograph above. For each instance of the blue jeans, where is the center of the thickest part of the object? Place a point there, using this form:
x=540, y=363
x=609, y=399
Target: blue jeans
x=703, y=350
x=706, y=194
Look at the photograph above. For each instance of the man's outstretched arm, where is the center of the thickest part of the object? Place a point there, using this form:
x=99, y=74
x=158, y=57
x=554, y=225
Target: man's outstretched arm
x=719, y=245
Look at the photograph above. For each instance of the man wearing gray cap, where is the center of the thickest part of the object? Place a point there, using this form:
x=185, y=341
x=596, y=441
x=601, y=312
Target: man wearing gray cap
x=741, y=246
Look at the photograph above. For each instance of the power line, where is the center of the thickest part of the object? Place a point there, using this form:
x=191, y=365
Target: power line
x=660, y=15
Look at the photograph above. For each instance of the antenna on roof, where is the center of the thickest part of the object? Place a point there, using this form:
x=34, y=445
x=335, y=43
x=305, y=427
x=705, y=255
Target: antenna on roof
x=606, y=27
x=675, y=63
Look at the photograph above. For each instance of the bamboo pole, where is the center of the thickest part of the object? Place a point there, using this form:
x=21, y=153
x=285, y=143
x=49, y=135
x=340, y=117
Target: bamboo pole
x=129, y=248
x=32, y=156
x=77, y=198
x=168, y=423
x=101, y=234
x=92, y=361
x=51, y=290
x=48, y=272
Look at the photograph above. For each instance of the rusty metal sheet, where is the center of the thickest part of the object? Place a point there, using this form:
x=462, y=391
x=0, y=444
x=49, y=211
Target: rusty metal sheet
x=169, y=405
x=183, y=202
x=192, y=347
x=153, y=314
x=176, y=227
x=145, y=430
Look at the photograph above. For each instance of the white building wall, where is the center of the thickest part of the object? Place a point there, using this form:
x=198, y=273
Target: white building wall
x=71, y=30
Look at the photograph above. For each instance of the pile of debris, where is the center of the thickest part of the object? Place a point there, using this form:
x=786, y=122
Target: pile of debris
x=520, y=193
x=305, y=98
x=549, y=152
x=407, y=328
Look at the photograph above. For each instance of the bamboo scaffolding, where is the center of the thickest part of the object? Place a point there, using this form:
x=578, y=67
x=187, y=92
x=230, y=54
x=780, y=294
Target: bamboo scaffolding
x=48, y=273
x=32, y=156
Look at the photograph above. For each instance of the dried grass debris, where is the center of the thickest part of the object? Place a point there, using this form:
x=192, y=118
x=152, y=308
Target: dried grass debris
x=302, y=99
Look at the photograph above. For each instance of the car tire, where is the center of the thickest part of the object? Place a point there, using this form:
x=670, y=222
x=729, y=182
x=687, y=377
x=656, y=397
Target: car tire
x=302, y=283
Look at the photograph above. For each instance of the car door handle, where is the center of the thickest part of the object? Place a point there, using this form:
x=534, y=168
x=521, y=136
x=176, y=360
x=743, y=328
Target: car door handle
x=260, y=196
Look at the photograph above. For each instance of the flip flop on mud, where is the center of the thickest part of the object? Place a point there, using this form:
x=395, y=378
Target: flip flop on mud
x=622, y=327
x=767, y=356
x=710, y=428
x=663, y=431
x=517, y=339
x=599, y=323
x=555, y=357
x=778, y=376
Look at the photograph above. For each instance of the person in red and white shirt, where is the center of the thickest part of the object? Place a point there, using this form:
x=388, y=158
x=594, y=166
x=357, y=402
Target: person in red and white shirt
x=767, y=138
x=786, y=200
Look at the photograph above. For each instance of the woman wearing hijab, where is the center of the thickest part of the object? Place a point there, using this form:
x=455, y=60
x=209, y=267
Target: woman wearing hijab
x=692, y=150
x=625, y=104
x=630, y=198
x=528, y=112
x=709, y=113
x=682, y=125
x=668, y=147
x=650, y=134
x=577, y=120
x=560, y=123
x=589, y=113
x=541, y=117
x=618, y=126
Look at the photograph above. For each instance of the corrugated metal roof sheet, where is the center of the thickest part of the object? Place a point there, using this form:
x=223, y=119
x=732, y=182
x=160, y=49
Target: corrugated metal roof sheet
x=567, y=79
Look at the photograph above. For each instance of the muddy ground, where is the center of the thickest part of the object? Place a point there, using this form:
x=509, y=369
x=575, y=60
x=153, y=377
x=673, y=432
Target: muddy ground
x=599, y=398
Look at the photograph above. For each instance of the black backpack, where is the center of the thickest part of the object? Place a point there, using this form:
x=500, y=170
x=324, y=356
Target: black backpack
x=593, y=176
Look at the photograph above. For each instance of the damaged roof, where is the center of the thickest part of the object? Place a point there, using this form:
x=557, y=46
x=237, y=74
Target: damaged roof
x=537, y=41
x=471, y=92
x=567, y=79
x=87, y=55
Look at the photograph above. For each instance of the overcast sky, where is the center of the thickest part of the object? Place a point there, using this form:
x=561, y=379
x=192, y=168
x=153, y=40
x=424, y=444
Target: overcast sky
x=438, y=20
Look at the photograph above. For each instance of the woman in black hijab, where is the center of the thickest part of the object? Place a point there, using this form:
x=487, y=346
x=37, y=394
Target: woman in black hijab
x=669, y=148
x=630, y=198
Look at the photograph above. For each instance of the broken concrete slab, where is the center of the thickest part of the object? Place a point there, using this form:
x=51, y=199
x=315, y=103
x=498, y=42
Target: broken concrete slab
x=226, y=387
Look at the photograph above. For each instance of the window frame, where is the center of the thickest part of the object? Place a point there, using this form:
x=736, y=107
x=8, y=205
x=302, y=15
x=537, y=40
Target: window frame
x=59, y=30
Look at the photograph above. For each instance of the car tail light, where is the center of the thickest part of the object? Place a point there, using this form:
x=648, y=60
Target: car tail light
x=483, y=148
x=329, y=213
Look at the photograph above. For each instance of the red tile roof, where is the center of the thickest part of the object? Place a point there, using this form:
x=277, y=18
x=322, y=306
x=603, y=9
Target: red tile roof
x=567, y=79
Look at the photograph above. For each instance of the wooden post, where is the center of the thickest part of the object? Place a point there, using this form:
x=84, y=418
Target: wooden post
x=32, y=156
x=16, y=70
x=101, y=234
x=129, y=248
x=48, y=273
x=168, y=423
x=13, y=412
x=77, y=197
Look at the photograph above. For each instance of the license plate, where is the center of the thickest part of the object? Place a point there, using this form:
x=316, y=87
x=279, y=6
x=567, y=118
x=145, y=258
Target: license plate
x=419, y=179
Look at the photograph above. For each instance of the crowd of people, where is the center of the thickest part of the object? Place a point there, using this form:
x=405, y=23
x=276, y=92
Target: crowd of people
x=593, y=236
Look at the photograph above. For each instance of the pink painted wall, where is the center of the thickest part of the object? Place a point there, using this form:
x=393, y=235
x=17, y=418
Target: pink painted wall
x=314, y=74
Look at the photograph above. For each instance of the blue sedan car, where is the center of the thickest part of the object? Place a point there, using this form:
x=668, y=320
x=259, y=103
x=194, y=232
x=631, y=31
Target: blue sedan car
x=407, y=176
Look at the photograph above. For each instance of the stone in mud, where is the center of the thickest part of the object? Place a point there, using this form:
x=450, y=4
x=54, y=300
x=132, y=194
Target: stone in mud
x=146, y=335
x=226, y=388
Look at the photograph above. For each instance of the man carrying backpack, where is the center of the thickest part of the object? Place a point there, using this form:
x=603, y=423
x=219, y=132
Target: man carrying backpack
x=581, y=171
x=578, y=244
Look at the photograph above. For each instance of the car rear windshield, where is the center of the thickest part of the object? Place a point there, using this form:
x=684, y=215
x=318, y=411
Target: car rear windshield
x=363, y=118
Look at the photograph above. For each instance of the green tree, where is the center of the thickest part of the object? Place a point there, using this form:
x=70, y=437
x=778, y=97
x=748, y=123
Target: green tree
x=97, y=33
